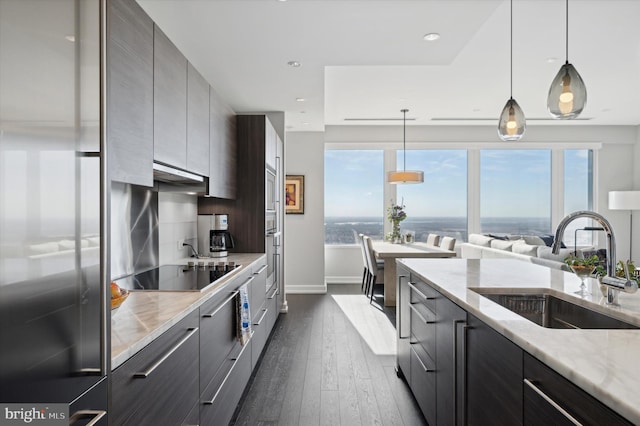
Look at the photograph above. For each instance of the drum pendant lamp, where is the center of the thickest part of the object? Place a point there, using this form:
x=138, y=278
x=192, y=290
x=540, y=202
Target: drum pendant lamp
x=405, y=176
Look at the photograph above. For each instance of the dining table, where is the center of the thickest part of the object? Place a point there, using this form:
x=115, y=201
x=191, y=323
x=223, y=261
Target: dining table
x=389, y=252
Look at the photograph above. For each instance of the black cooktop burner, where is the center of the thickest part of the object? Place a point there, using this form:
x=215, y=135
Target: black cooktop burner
x=176, y=278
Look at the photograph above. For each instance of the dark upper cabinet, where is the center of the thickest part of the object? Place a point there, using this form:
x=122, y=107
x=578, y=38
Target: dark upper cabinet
x=169, y=102
x=129, y=93
x=197, y=122
x=223, y=148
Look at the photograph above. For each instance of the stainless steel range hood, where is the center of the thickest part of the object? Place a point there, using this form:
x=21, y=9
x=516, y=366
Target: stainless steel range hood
x=171, y=179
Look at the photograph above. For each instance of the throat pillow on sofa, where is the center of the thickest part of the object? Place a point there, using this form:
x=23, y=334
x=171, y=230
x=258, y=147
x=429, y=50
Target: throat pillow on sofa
x=521, y=247
x=502, y=244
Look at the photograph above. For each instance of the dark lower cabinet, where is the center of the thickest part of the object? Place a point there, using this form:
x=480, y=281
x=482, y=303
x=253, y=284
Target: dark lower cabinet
x=219, y=402
x=423, y=381
x=493, y=377
x=403, y=326
x=550, y=399
x=91, y=407
x=449, y=330
x=159, y=385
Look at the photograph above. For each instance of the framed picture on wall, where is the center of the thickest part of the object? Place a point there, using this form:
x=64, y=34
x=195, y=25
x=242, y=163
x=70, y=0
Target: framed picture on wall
x=294, y=194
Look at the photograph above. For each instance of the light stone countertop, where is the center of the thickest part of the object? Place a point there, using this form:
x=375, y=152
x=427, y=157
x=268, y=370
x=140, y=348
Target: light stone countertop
x=145, y=315
x=601, y=362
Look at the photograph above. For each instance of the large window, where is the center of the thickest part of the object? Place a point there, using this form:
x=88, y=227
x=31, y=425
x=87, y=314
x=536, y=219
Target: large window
x=578, y=194
x=439, y=205
x=515, y=191
x=353, y=188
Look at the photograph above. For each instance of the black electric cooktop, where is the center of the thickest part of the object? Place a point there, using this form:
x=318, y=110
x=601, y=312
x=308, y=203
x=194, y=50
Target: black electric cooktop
x=177, y=278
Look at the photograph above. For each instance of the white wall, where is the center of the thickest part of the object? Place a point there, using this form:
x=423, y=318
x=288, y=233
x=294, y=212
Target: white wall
x=177, y=222
x=304, y=233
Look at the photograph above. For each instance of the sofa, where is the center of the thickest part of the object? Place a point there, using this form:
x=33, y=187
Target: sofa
x=529, y=248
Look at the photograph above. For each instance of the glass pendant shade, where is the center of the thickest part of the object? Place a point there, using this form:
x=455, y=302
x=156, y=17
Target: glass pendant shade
x=567, y=94
x=405, y=176
x=512, y=123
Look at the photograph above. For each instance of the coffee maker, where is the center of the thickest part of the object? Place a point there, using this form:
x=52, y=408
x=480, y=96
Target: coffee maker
x=214, y=239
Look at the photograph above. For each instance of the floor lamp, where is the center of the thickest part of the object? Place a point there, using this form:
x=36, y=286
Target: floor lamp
x=625, y=200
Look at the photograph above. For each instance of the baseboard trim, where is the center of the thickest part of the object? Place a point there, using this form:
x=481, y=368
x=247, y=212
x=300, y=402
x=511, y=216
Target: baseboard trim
x=306, y=289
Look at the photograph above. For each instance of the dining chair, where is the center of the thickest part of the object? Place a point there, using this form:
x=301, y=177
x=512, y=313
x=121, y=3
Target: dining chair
x=376, y=271
x=433, y=240
x=365, y=272
x=447, y=243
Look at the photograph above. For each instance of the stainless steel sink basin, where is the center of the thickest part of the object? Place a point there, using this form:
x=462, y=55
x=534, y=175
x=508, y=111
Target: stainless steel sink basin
x=549, y=311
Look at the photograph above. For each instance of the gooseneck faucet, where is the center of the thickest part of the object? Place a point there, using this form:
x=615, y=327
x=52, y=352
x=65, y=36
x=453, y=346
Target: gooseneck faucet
x=613, y=283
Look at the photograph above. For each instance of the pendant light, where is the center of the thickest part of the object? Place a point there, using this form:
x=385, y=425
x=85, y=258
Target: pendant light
x=567, y=94
x=405, y=176
x=512, y=124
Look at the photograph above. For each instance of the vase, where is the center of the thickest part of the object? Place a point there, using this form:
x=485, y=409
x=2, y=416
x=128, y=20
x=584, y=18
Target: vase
x=396, y=237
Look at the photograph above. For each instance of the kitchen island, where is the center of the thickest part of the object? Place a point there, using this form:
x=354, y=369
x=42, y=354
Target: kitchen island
x=600, y=362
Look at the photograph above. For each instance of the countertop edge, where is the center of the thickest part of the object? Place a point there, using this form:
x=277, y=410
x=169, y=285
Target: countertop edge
x=193, y=300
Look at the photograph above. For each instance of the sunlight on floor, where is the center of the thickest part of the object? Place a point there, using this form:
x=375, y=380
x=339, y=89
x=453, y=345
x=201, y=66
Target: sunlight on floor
x=372, y=324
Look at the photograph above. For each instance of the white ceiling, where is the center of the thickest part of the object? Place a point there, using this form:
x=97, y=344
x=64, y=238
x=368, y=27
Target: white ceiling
x=366, y=59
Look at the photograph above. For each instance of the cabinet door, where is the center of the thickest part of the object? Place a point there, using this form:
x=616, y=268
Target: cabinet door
x=423, y=382
x=197, y=122
x=219, y=402
x=223, y=148
x=551, y=399
x=403, y=324
x=159, y=384
x=169, y=102
x=271, y=144
x=217, y=335
x=450, y=319
x=493, y=376
x=129, y=93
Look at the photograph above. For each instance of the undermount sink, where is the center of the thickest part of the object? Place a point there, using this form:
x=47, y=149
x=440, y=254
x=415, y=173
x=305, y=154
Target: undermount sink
x=549, y=311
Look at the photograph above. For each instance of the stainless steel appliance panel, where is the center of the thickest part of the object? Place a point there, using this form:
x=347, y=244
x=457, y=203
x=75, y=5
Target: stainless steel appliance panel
x=52, y=300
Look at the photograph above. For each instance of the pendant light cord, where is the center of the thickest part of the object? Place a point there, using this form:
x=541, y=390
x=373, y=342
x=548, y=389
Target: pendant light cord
x=511, y=53
x=566, y=26
x=404, y=139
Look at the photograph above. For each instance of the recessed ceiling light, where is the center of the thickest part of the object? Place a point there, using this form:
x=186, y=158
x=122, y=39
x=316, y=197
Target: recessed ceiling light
x=305, y=123
x=294, y=64
x=551, y=59
x=300, y=99
x=431, y=36
x=70, y=38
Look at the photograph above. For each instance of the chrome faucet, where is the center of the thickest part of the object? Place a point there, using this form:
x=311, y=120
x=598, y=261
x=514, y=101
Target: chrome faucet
x=613, y=283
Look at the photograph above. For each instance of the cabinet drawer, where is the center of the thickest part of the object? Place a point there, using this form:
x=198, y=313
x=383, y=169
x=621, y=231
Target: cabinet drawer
x=220, y=401
x=259, y=337
x=422, y=293
x=218, y=325
x=259, y=286
x=159, y=385
x=549, y=398
x=423, y=327
x=423, y=382
x=272, y=306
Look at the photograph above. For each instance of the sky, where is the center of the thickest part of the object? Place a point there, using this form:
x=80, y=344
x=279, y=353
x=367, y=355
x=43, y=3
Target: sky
x=514, y=183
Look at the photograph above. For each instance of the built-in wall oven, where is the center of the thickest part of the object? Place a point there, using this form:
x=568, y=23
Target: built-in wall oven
x=271, y=189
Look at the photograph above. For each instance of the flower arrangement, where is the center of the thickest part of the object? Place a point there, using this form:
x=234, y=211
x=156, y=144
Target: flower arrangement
x=395, y=214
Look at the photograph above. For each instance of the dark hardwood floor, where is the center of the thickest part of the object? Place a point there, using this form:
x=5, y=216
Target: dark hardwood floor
x=326, y=364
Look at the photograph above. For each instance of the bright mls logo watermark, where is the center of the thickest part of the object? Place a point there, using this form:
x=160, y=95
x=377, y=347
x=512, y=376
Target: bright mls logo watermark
x=34, y=414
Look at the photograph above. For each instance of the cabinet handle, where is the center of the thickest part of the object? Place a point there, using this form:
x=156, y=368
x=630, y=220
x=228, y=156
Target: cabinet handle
x=224, y=381
x=275, y=291
x=264, y=313
x=146, y=374
x=259, y=271
x=426, y=369
x=552, y=402
x=458, y=406
x=96, y=414
x=414, y=288
x=221, y=305
x=420, y=315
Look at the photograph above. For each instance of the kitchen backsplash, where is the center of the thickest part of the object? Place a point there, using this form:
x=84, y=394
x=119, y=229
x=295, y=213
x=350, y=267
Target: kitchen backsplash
x=178, y=215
